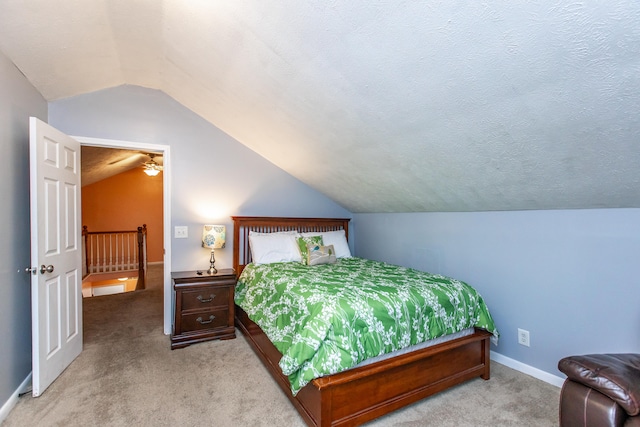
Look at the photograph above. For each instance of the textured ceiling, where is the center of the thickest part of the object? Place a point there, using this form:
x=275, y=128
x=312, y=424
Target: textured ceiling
x=99, y=163
x=386, y=106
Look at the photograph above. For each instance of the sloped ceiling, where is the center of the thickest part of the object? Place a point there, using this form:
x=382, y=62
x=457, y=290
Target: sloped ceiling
x=385, y=106
x=100, y=163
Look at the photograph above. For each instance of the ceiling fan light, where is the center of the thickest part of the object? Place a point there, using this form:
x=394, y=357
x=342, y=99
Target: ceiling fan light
x=151, y=171
x=151, y=168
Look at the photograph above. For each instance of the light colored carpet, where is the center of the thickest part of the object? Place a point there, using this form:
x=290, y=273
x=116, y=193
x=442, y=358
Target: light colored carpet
x=127, y=375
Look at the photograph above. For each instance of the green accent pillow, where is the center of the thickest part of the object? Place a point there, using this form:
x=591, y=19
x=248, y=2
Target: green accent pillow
x=321, y=255
x=303, y=246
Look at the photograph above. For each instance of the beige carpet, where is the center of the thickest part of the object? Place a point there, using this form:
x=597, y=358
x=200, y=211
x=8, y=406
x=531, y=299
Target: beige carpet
x=127, y=375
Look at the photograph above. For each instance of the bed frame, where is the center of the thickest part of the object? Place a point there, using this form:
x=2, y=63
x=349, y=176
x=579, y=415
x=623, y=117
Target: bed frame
x=360, y=394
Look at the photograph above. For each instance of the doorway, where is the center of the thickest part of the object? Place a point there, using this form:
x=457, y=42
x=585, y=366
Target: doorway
x=122, y=218
x=163, y=151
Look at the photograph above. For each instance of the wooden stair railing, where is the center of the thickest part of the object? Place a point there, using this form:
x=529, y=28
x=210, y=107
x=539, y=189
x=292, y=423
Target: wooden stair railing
x=115, y=251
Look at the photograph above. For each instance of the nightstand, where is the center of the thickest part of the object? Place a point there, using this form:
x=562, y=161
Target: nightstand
x=204, y=306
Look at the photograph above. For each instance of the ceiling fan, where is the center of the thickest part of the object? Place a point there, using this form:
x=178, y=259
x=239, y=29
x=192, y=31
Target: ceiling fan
x=152, y=168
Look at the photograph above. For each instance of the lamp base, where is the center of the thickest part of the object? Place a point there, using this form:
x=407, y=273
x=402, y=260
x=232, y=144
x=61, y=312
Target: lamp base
x=212, y=269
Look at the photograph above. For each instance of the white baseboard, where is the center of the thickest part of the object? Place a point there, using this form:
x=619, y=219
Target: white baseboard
x=9, y=404
x=526, y=369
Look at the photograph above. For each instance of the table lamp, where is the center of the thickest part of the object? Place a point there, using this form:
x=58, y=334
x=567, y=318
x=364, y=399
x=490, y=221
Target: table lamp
x=213, y=237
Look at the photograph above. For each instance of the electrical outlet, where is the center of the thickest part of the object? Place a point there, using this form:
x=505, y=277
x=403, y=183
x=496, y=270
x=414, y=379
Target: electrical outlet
x=523, y=337
x=181, y=232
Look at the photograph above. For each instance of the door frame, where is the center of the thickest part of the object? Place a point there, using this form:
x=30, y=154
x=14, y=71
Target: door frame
x=166, y=202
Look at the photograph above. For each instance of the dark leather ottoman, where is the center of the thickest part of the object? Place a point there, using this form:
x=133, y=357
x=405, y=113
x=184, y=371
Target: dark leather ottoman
x=600, y=390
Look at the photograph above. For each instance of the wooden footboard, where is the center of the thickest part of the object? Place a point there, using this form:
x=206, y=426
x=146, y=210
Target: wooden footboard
x=361, y=394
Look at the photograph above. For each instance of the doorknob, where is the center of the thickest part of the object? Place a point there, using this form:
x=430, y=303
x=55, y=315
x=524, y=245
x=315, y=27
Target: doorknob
x=47, y=269
x=31, y=270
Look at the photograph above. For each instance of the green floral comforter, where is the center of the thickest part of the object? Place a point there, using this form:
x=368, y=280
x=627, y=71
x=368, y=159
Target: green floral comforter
x=328, y=318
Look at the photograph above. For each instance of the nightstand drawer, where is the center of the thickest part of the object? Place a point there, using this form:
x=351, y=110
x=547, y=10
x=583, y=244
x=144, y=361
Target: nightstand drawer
x=205, y=298
x=205, y=320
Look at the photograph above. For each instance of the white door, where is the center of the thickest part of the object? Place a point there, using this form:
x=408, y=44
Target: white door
x=56, y=252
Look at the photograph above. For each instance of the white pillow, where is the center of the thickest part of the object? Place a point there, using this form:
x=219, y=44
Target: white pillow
x=336, y=238
x=271, y=233
x=274, y=247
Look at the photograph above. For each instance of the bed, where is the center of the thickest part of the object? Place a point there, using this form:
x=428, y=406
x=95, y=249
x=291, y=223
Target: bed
x=370, y=390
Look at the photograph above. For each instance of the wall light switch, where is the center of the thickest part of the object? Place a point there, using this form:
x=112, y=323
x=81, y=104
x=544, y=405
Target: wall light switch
x=181, y=232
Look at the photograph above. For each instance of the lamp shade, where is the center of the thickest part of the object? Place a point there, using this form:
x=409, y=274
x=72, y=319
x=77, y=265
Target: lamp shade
x=214, y=236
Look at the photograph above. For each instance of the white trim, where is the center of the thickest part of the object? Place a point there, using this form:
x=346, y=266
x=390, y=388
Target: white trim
x=11, y=402
x=166, y=176
x=116, y=143
x=527, y=369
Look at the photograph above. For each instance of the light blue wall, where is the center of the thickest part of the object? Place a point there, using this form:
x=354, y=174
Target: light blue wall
x=18, y=100
x=213, y=175
x=570, y=277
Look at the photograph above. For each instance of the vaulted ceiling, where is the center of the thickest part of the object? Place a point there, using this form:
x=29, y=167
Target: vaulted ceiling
x=385, y=106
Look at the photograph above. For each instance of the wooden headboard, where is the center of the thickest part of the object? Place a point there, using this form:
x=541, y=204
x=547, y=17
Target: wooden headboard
x=262, y=224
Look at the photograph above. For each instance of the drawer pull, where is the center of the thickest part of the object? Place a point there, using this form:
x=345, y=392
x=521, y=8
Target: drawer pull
x=202, y=300
x=204, y=322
